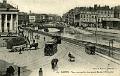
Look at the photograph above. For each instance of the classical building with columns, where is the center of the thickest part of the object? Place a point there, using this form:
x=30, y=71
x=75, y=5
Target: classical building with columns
x=8, y=17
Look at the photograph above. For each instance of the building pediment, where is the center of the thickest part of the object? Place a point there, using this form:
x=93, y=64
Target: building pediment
x=7, y=8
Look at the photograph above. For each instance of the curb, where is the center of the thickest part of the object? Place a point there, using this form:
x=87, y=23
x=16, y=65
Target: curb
x=109, y=58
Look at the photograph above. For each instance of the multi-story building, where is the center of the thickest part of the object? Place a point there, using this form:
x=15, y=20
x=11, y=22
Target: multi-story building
x=103, y=15
x=97, y=16
x=89, y=16
x=117, y=11
x=23, y=18
x=54, y=18
x=86, y=18
x=8, y=17
x=69, y=17
x=41, y=18
x=33, y=17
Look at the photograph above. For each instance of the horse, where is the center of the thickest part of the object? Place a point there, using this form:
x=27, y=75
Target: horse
x=34, y=45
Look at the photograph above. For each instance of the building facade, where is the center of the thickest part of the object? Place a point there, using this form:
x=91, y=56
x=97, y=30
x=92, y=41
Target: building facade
x=23, y=18
x=86, y=18
x=32, y=18
x=117, y=11
x=93, y=16
x=96, y=16
x=41, y=18
x=8, y=17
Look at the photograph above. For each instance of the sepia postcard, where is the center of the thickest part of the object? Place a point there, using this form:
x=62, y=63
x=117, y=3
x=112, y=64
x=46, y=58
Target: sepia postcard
x=59, y=38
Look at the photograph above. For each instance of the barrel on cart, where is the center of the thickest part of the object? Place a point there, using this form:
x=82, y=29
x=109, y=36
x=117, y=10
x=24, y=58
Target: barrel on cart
x=90, y=49
x=57, y=39
x=50, y=48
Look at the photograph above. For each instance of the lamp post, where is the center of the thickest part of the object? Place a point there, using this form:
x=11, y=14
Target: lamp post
x=18, y=71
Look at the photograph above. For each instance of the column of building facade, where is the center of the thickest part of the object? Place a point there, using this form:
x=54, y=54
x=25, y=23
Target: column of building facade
x=16, y=23
x=5, y=25
x=0, y=22
x=11, y=22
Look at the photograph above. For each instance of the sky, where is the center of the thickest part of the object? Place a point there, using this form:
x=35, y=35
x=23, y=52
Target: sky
x=57, y=6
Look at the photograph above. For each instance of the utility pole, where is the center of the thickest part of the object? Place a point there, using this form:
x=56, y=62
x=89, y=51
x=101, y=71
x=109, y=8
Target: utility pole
x=18, y=71
x=112, y=47
x=97, y=20
x=109, y=48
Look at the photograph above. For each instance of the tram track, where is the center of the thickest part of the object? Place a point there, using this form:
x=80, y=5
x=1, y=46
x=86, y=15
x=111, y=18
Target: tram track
x=102, y=48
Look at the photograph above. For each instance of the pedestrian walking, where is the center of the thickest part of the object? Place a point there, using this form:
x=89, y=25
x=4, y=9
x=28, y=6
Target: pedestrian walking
x=54, y=63
x=10, y=71
x=28, y=39
x=40, y=72
x=33, y=41
x=20, y=50
x=44, y=38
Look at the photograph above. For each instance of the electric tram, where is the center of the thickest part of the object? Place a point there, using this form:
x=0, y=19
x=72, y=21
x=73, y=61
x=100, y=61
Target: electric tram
x=90, y=49
x=50, y=48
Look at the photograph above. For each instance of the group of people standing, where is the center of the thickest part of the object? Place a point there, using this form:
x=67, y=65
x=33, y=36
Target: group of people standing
x=10, y=71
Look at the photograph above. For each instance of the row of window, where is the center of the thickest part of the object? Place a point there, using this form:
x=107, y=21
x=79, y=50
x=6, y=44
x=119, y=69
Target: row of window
x=88, y=20
x=105, y=12
x=106, y=15
x=94, y=16
x=99, y=12
x=91, y=20
x=84, y=16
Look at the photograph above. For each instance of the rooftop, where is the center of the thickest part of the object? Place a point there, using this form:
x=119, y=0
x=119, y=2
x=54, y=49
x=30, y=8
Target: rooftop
x=7, y=7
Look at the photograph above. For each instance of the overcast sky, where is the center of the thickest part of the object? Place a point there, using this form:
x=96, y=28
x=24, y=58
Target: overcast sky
x=57, y=6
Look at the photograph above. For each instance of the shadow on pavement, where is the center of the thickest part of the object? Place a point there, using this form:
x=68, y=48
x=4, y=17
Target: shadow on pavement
x=4, y=65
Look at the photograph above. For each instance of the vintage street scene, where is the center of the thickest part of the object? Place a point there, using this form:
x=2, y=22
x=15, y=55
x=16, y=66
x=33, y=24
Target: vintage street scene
x=59, y=38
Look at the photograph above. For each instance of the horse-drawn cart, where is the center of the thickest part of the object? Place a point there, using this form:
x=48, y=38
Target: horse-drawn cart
x=71, y=57
x=18, y=48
